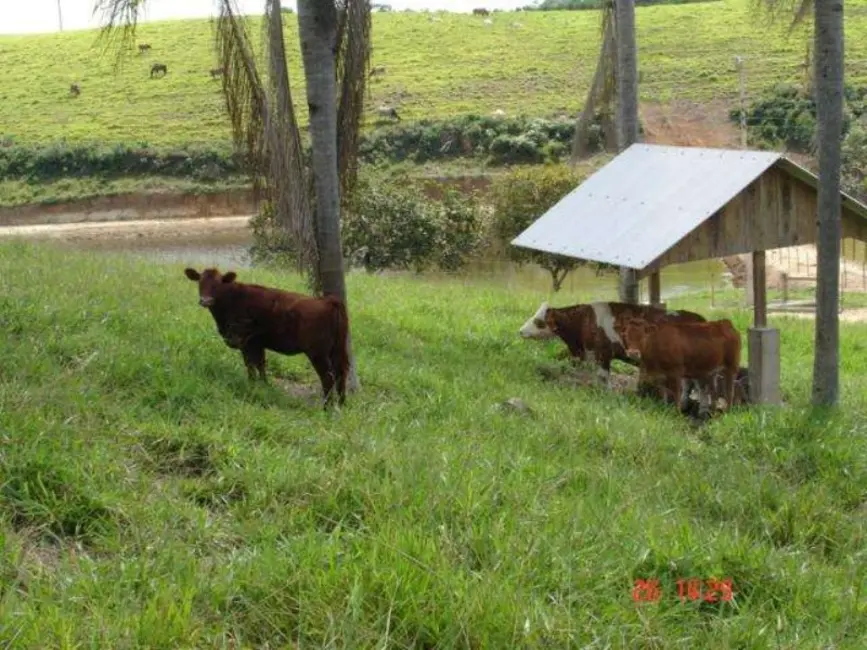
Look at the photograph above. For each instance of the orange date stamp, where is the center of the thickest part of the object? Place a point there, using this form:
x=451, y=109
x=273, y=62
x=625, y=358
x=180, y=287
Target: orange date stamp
x=692, y=589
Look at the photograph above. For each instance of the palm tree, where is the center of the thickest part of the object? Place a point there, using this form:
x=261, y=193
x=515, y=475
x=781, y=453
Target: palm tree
x=627, y=110
x=828, y=91
x=305, y=195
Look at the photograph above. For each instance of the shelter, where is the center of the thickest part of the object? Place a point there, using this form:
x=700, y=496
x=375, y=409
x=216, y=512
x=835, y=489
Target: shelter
x=656, y=205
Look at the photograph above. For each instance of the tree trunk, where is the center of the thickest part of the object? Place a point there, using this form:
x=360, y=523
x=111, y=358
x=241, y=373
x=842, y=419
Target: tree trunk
x=627, y=110
x=317, y=32
x=828, y=80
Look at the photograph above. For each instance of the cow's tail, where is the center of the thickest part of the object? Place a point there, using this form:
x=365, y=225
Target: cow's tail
x=340, y=349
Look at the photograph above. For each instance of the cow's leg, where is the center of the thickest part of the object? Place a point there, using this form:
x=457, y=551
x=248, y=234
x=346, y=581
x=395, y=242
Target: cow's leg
x=322, y=366
x=254, y=359
x=603, y=360
x=729, y=379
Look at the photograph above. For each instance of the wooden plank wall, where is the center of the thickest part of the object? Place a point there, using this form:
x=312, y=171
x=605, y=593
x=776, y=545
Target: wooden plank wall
x=775, y=211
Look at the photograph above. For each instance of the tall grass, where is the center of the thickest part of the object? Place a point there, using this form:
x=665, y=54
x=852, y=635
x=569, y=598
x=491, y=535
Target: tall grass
x=150, y=497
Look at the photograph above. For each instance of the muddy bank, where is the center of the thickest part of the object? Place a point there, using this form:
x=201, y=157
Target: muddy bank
x=164, y=230
x=132, y=206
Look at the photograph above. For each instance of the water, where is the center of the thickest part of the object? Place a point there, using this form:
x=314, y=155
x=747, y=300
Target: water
x=229, y=249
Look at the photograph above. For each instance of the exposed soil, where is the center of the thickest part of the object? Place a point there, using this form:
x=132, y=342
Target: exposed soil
x=153, y=229
x=133, y=206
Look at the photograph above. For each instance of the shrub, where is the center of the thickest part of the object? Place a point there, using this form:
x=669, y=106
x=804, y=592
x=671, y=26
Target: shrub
x=271, y=245
x=391, y=225
x=786, y=115
x=522, y=196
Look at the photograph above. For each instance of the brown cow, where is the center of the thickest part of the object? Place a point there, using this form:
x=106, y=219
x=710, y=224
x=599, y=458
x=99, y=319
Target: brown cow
x=252, y=318
x=596, y=328
x=674, y=351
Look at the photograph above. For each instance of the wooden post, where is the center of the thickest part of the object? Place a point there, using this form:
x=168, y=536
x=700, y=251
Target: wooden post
x=763, y=341
x=653, y=288
x=750, y=280
x=760, y=297
x=785, y=283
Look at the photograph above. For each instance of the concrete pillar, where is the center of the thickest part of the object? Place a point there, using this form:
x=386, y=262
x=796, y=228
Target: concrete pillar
x=764, y=349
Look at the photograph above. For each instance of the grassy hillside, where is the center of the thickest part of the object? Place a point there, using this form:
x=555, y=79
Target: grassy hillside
x=150, y=498
x=454, y=65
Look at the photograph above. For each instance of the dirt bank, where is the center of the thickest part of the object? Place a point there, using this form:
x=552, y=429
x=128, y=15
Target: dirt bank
x=152, y=229
x=132, y=206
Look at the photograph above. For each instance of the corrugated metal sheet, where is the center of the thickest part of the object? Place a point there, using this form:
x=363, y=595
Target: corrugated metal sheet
x=643, y=202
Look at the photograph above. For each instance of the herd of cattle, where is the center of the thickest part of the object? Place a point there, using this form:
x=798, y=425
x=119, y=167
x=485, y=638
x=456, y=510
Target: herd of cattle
x=675, y=351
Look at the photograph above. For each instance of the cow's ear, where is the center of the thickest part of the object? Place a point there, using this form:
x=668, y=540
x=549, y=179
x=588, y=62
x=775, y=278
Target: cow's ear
x=229, y=277
x=192, y=274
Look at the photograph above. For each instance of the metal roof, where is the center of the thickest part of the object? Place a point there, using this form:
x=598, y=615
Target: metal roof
x=649, y=198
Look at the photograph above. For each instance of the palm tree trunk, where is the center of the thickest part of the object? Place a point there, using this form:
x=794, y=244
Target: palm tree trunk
x=317, y=32
x=828, y=79
x=627, y=110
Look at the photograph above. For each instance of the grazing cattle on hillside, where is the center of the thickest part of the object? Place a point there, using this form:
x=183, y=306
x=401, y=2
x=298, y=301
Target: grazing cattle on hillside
x=159, y=67
x=216, y=72
x=252, y=318
x=596, y=328
x=670, y=352
x=75, y=90
x=143, y=47
x=481, y=11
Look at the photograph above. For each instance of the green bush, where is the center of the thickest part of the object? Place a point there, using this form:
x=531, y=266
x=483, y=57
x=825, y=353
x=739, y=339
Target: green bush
x=854, y=154
x=786, y=115
x=501, y=141
x=522, y=196
x=271, y=245
x=391, y=225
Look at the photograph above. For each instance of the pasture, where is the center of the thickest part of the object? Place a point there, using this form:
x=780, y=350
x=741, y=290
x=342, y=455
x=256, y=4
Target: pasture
x=150, y=497
x=436, y=66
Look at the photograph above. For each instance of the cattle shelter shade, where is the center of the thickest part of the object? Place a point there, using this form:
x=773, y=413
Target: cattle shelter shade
x=655, y=205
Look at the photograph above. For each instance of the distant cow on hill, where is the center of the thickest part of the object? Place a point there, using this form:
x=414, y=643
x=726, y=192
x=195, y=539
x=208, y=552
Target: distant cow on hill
x=378, y=70
x=216, y=72
x=75, y=90
x=481, y=11
x=252, y=318
x=143, y=47
x=596, y=328
x=673, y=351
x=159, y=67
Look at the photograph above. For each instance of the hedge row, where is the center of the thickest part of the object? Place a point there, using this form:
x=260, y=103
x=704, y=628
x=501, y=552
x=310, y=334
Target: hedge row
x=499, y=141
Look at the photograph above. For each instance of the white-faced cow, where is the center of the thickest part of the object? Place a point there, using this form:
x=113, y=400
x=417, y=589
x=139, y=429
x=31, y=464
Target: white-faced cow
x=594, y=331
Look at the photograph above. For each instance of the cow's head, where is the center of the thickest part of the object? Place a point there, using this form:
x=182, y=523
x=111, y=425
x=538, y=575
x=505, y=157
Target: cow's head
x=540, y=326
x=634, y=333
x=210, y=282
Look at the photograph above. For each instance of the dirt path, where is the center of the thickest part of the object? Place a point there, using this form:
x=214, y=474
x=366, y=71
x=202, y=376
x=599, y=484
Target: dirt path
x=150, y=228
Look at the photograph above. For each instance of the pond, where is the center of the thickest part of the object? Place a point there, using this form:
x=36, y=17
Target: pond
x=227, y=247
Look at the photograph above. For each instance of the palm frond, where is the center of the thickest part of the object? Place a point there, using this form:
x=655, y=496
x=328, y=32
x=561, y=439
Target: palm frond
x=291, y=185
x=353, y=61
x=119, y=19
x=797, y=12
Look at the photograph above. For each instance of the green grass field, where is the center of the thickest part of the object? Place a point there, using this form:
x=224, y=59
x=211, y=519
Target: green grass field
x=453, y=66
x=149, y=497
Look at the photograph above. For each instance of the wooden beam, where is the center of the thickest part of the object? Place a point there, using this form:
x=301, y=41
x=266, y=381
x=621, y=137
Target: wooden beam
x=760, y=296
x=653, y=288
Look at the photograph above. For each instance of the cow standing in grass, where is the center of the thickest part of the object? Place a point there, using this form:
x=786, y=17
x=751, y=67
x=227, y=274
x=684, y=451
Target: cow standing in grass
x=594, y=330
x=252, y=318
x=670, y=352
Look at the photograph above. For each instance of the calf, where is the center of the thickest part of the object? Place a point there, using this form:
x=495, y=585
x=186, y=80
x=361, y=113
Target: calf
x=674, y=351
x=252, y=318
x=596, y=328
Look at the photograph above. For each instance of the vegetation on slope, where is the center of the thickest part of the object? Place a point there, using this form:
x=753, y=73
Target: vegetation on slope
x=150, y=497
x=535, y=63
